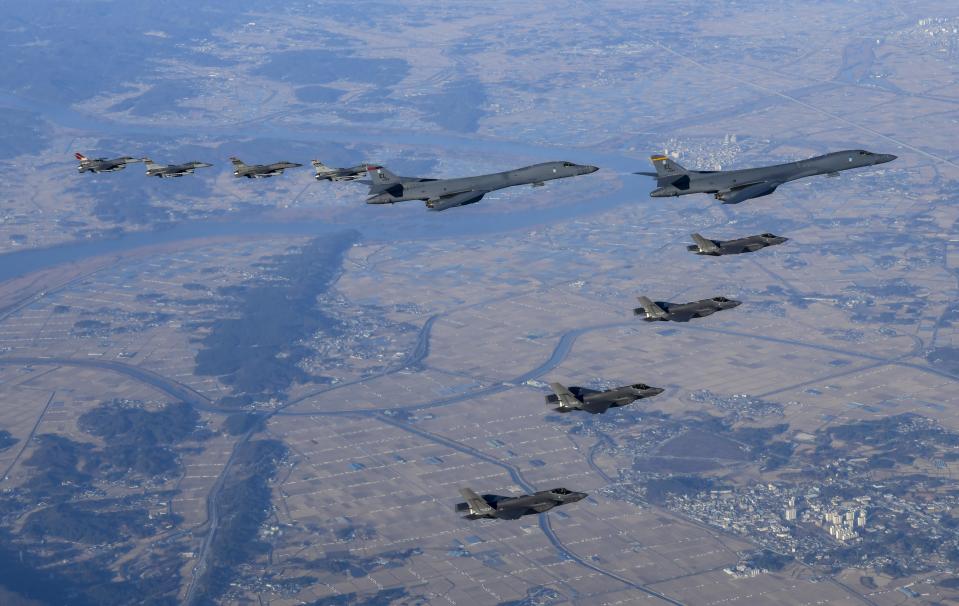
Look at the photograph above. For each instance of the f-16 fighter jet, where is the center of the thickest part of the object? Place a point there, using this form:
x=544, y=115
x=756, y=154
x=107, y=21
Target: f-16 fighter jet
x=718, y=248
x=260, y=171
x=102, y=165
x=597, y=402
x=168, y=171
x=441, y=194
x=682, y=312
x=327, y=173
x=513, y=508
x=735, y=186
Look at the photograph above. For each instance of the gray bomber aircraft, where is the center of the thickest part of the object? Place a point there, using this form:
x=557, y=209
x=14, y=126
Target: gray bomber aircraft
x=169, y=171
x=597, y=402
x=328, y=173
x=260, y=171
x=102, y=165
x=718, y=248
x=441, y=194
x=513, y=508
x=735, y=186
x=682, y=312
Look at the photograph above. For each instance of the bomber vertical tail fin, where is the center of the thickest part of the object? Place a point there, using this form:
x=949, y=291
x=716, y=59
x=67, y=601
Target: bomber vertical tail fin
x=381, y=179
x=666, y=168
x=650, y=309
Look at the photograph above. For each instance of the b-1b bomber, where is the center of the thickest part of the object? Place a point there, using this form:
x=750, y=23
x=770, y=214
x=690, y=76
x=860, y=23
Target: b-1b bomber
x=718, y=248
x=662, y=311
x=597, y=402
x=735, y=186
x=442, y=194
x=513, y=508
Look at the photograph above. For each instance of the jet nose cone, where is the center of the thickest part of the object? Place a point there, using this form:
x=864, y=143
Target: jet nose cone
x=577, y=496
x=378, y=199
x=655, y=391
x=590, y=169
x=735, y=303
x=883, y=158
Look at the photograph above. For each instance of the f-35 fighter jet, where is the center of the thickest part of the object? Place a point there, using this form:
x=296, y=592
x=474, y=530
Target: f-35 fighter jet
x=327, y=173
x=441, y=194
x=513, y=508
x=718, y=248
x=735, y=186
x=260, y=171
x=102, y=165
x=597, y=402
x=168, y=171
x=682, y=312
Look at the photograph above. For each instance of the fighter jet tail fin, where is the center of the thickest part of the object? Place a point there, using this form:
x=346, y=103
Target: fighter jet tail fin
x=237, y=162
x=563, y=397
x=475, y=504
x=150, y=163
x=704, y=245
x=666, y=168
x=649, y=309
x=80, y=157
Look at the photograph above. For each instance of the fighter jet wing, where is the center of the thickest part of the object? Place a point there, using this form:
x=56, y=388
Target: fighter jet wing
x=596, y=407
x=454, y=200
x=477, y=505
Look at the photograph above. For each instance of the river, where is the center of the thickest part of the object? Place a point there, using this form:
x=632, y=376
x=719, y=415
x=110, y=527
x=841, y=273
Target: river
x=375, y=223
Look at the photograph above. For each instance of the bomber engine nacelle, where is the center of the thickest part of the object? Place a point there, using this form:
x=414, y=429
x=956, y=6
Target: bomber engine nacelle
x=454, y=201
x=757, y=190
